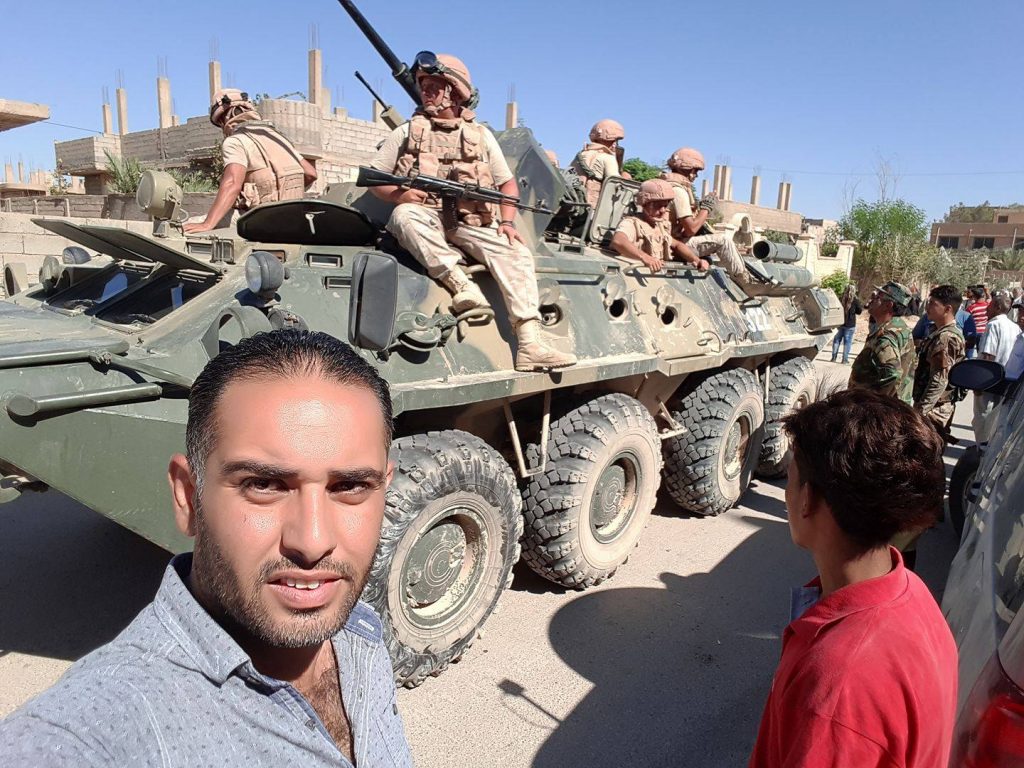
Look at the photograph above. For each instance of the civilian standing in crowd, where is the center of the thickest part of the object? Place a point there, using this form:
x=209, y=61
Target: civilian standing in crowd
x=977, y=306
x=844, y=335
x=868, y=674
x=997, y=344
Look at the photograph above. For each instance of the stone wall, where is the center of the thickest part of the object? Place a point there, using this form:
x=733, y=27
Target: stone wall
x=789, y=222
x=22, y=242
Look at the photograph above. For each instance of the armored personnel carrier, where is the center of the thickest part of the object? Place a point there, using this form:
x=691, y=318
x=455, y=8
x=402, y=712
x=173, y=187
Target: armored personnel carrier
x=682, y=379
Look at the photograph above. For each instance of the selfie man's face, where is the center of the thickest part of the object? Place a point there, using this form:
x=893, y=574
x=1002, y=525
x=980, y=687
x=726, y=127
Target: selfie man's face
x=289, y=516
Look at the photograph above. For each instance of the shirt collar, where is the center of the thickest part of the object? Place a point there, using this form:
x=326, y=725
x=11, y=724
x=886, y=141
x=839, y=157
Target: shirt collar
x=854, y=598
x=212, y=650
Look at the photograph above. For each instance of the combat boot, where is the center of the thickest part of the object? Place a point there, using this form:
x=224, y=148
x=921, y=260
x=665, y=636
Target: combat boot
x=534, y=355
x=466, y=294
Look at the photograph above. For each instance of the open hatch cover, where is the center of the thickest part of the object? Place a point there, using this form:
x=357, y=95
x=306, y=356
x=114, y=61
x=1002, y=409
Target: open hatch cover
x=126, y=245
x=307, y=222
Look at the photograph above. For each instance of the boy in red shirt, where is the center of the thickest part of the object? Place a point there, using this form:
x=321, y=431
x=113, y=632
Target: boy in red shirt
x=869, y=667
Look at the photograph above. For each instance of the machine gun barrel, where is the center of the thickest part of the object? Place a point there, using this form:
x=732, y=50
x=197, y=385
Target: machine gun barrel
x=371, y=177
x=399, y=70
x=389, y=114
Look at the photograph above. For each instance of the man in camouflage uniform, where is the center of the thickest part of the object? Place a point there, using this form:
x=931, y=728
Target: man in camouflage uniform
x=690, y=215
x=260, y=165
x=943, y=349
x=600, y=159
x=886, y=364
x=444, y=139
x=646, y=236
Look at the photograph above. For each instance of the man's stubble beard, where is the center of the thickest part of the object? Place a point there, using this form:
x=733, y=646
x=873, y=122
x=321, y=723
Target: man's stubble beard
x=240, y=606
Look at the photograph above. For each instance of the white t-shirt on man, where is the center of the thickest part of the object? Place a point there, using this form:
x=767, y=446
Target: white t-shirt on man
x=999, y=338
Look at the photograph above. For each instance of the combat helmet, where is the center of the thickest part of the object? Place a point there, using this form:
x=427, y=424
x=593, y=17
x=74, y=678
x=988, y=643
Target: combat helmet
x=654, y=190
x=453, y=70
x=227, y=104
x=686, y=158
x=607, y=130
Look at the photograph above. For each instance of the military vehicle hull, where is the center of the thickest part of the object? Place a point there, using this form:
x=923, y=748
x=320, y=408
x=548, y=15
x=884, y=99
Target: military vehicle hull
x=681, y=375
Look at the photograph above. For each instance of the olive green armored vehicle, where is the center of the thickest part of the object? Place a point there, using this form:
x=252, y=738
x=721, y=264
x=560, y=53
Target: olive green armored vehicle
x=682, y=379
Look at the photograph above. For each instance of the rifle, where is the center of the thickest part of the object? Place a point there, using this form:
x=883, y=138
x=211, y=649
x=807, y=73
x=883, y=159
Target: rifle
x=390, y=115
x=447, y=190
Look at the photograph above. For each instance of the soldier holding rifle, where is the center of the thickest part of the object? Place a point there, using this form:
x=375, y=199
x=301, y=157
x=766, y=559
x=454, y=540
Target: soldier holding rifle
x=444, y=140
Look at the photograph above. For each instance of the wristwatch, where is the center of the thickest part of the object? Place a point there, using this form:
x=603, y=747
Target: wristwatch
x=506, y=222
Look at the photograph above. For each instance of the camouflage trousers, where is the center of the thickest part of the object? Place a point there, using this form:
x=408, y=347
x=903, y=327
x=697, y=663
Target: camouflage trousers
x=722, y=246
x=418, y=229
x=941, y=417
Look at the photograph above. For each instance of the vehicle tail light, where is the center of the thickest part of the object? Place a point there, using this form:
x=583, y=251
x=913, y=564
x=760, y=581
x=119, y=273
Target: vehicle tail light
x=990, y=731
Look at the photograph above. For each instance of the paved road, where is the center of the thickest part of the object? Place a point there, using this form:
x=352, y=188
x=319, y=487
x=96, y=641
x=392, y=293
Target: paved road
x=667, y=663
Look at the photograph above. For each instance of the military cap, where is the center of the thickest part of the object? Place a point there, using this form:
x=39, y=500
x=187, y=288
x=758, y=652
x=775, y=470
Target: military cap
x=896, y=292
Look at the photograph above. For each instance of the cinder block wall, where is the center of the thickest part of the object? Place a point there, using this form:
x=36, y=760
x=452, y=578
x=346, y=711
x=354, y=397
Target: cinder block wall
x=24, y=242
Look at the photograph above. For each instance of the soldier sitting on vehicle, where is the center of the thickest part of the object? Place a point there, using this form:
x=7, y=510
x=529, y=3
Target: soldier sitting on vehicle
x=444, y=140
x=260, y=165
x=600, y=159
x=690, y=216
x=646, y=236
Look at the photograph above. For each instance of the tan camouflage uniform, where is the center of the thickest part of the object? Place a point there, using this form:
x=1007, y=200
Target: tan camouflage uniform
x=932, y=394
x=719, y=244
x=465, y=151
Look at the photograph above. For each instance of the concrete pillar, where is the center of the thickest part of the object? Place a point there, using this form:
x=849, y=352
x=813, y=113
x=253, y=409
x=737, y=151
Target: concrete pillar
x=108, y=119
x=343, y=112
x=782, y=196
x=21, y=172
x=214, y=79
x=8, y=173
x=718, y=179
x=175, y=120
x=511, y=115
x=163, y=101
x=378, y=110
x=726, y=192
x=789, y=195
x=704, y=188
x=122, y=111
x=755, y=190
x=325, y=100
x=316, y=76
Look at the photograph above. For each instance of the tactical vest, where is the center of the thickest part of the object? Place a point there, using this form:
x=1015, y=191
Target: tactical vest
x=678, y=181
x=583, y=166
x=452, y=149
x=655, y=239
x=274, y=173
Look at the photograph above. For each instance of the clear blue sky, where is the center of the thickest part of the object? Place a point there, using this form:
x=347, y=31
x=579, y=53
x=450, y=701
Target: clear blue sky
x=816, y=90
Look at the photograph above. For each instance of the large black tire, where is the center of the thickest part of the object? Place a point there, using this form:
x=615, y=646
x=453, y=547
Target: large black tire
x=449, y=540
x=709, y=466
x=961, y=483
x=585, y=513
x=791, y=385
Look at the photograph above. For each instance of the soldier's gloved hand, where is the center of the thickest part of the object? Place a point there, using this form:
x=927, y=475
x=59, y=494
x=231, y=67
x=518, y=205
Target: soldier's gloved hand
x=708, y=202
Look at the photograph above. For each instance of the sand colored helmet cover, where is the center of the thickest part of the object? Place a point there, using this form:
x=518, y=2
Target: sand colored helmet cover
x=686, y=158
x=225, y=100
x=654, y=190
x=455, y=73
x=607, y=130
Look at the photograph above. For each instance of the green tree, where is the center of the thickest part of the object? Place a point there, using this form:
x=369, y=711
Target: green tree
x=774, y=236
x=639, y=170
x=837, y=281
x=891, y=238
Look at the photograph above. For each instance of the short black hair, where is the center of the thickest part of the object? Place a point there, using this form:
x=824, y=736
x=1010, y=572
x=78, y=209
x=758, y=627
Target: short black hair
x=274, y=355
x=875, y=461
x=947, y=294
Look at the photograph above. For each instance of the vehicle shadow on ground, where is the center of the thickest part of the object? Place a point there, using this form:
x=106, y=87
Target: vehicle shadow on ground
x=653, y=653
x=70, y=579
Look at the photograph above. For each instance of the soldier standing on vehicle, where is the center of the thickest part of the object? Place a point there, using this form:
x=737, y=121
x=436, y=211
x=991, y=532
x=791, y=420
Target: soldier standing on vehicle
x=943, y=349
x=690, y=216
x=886, y=364
x=646, y=236
x=444, y=140
x=260, y=165
x=600, y=159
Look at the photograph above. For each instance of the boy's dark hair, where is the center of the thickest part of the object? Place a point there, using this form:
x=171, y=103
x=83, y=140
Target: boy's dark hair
x=947, y=294
x=875, y=461
x=274, y=355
